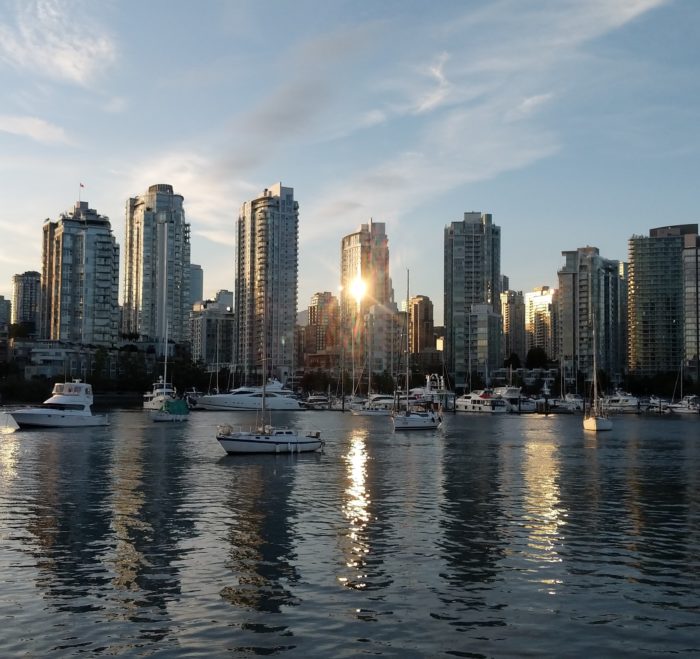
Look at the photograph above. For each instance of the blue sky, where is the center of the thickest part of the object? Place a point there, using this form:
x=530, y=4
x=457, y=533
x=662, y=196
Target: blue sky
x=573, y=122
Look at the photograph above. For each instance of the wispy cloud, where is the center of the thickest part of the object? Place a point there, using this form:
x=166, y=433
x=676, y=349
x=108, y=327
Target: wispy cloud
x=34, y=128
x=437, y=96
x=479, y=121
x=56, y=39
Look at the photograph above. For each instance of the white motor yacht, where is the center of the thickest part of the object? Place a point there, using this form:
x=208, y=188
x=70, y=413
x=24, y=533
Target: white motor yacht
x=160, y=393
x=318, y=402
x=514, y=397
x=276, y=396
x=68, y=407
x=621, y=403
x=481, y=401
x=377, y=405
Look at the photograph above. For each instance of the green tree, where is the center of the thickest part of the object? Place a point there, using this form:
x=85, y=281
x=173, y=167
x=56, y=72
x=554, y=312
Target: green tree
x=536, y=358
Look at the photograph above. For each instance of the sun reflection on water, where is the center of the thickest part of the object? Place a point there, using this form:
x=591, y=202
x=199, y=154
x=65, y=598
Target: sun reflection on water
x=544, y=515
x=355, y=545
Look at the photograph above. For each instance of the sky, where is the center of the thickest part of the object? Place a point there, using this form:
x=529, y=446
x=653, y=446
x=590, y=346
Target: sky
x=573, y=122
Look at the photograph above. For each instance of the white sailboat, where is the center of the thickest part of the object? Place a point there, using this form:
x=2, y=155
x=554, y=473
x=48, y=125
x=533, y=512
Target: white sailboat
x=412, y=419
x=595, y=419
x=166, y=407
x=266, y=438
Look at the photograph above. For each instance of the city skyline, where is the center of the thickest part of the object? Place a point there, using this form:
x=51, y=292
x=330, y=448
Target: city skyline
x=572, y=125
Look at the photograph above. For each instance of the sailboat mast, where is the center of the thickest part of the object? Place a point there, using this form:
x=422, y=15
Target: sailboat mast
x=407, y=342
x=165, y=303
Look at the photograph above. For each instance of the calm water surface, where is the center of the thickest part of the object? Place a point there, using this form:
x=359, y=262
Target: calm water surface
x=509, y=536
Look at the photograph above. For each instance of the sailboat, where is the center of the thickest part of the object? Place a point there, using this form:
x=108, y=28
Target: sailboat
x=595, y=419
x=266, y=438
x=686, y=404
x=164, y=401
x=409, y=419
x=376, y=404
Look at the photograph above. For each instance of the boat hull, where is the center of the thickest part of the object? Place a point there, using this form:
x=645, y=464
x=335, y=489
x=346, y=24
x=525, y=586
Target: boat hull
x=36, y=419
x=416, y=421
x=248, y=442
x=213, y=404
x=165, y=417
x=597, y=423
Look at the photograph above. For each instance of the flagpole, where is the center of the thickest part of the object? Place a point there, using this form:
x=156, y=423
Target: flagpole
x=80, y=189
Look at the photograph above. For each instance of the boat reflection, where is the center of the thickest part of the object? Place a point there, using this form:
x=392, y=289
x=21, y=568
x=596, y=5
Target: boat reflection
x=260, y=533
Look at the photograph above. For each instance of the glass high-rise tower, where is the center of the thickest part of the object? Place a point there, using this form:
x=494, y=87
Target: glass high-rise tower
x=267, y=254
x=473, y=325
x=80, y=279
x=157, y=266
x=656, y=310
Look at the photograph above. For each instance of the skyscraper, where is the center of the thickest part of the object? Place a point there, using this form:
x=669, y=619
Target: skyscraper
x=691, y=304
x=421, y=325
x=211, y=331
x=541, y=321
x=80, y=278
x=656, y=300
x=513, y=314
x=157, y=266
x=26, y=293
x=472, y=277
x=322, y=329
x=365, y=258
x=267, y=249
x=591, y=290
x=196, y=283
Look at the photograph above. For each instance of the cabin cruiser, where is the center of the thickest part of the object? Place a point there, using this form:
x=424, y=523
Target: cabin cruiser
x=621, y=403
x=687, y=405
x=318, y=402
x=658, y=405
x=68, y=407
x=434, y=393
x=516, y=400
x=482, y=401
x=377, y=405
x=160, y=393
x=277, y=397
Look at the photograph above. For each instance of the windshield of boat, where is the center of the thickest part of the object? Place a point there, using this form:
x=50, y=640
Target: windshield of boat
x=63, y=406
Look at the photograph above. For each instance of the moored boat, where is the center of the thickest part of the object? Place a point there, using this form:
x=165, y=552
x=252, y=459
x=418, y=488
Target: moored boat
x=267, y=439
x=172, y=411
x=277, y=397
x=481, y=401
x=595, y=418
x=70, y=406
x=412, y=419
x=621, y=403
x=160, y=392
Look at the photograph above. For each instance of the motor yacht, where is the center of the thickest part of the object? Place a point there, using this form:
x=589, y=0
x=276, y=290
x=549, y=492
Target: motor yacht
x=621, y=403
x=482, y=401
x=68, y=407
x=277, y=397
x=160, y=393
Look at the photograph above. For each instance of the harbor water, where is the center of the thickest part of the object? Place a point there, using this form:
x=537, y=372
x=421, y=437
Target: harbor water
x=493, y=537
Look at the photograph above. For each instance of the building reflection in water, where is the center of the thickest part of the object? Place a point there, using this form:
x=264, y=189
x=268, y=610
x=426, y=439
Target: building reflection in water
x=355, y=544
x=70, y=521
x=261, y=555
x=149, y=523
